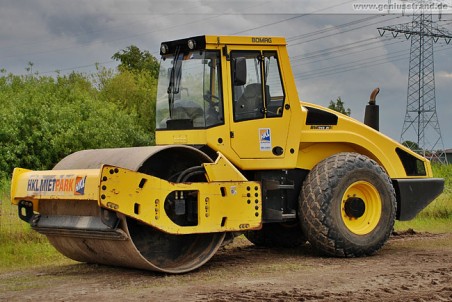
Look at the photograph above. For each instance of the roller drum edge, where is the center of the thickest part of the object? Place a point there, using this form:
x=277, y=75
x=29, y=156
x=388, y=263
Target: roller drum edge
x=144, y=247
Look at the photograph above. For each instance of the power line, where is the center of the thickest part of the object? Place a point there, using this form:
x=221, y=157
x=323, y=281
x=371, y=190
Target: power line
x=78, y=67
x=323, y=52
x=291, y=18
x=342, y=32
x=343, y=67
x=348, y=53
x=366, y=59
x=324, y=30
x=339, y=48
x=352, y=66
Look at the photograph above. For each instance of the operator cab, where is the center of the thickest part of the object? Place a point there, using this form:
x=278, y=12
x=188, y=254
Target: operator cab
x=228, y=93
x=190, y=86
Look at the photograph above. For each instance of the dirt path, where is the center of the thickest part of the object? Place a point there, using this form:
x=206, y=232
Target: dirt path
x=411, y=267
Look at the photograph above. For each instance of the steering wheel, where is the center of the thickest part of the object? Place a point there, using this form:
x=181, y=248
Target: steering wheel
x=208, y=98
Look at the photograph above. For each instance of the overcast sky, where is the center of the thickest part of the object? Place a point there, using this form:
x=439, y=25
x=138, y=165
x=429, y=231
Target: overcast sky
x=335, y=48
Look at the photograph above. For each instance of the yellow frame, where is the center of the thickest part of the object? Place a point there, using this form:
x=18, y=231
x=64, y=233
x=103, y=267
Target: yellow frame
x=227, y=202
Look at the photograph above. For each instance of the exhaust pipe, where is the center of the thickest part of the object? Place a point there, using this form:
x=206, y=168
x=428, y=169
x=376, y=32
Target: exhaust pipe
x=372, y=113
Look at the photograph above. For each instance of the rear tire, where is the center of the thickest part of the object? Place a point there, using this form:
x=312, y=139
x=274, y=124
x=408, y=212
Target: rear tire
x=347, y=206
x=277, y=235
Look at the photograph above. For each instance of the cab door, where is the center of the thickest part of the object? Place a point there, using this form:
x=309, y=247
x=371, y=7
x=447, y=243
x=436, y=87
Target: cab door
x=260, y=122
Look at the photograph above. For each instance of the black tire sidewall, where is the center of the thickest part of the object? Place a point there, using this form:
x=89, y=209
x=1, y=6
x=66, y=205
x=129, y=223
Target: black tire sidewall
x=381, y=230
x=321, y=201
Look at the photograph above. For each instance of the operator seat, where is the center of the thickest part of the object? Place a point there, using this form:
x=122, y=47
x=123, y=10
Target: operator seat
x=250, y=103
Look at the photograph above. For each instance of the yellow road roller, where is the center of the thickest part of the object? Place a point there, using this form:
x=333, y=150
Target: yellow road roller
x=236, y=152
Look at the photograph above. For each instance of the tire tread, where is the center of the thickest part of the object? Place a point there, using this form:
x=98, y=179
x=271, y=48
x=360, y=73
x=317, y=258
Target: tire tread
x=315, y=205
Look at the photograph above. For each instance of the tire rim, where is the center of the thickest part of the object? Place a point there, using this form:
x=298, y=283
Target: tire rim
x=361, y=208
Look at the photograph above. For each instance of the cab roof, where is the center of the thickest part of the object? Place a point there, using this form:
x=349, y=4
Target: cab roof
x=200, y=42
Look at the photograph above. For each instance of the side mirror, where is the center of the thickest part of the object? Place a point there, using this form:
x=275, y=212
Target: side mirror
x=239, y=71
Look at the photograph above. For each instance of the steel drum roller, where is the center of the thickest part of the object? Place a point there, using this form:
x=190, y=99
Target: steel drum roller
x=141, y=246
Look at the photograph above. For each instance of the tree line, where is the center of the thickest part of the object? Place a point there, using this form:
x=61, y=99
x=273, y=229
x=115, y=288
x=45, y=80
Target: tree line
x=44, y=118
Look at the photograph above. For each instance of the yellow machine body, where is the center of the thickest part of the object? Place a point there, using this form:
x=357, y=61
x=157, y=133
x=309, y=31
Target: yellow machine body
x=234, y=147
x=231, y=204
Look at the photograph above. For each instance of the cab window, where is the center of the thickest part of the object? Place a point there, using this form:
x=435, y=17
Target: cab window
x=273, y=82
x=257, y=87
x=189, y=94
x=247, y=91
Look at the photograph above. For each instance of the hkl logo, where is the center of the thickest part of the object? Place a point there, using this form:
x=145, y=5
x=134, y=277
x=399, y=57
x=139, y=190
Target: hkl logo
x=265, y=135
x=265, y=139
x=80, y=185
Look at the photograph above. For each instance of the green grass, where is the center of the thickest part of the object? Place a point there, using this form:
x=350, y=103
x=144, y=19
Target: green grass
x=421, y=224
x=29, y=254
x=21, y=247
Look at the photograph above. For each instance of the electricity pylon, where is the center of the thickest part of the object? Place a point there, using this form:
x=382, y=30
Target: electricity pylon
x=421, y=131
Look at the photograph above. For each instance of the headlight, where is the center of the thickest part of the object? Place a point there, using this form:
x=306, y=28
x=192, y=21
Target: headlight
x=164, y=48
x=191, y=44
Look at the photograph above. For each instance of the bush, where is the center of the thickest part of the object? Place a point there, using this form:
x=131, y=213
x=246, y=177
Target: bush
x=132, y=91
x=44, y=119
